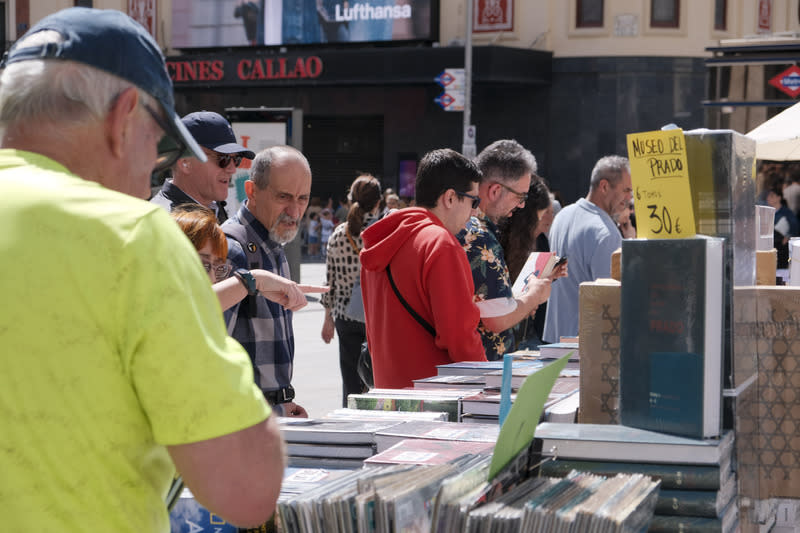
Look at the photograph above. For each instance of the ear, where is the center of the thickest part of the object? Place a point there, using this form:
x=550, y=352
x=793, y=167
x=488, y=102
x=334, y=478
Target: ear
x=119, y=120
x=494, y=190
x=249, y=189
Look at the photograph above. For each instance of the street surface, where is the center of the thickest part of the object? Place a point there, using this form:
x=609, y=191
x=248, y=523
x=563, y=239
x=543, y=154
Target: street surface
x=317, y=379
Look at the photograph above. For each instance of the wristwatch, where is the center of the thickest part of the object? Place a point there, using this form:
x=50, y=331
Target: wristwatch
x=247, y=280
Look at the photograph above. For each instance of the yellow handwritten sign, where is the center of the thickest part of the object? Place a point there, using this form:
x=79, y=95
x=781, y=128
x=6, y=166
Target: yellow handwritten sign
x=661, y=192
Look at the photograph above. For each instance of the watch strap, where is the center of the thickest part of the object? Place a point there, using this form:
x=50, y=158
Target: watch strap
x=247, y=279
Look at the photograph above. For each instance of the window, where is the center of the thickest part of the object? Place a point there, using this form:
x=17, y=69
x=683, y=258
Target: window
x=589, y=14
x=664, y=13
x=83, y=3
x=721, y=15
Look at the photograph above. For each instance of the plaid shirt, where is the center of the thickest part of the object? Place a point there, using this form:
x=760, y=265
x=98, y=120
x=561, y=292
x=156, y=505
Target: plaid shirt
x=267, y=336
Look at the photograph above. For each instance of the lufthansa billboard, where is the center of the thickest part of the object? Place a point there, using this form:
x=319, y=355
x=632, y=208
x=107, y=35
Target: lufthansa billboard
x=226, y=23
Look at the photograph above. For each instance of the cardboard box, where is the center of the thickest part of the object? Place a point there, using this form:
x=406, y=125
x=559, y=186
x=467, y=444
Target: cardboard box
x=766, y=266
x=598, y=330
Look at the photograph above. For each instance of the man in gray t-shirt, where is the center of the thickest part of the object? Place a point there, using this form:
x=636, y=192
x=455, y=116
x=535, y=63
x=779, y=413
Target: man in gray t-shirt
x=586, y=234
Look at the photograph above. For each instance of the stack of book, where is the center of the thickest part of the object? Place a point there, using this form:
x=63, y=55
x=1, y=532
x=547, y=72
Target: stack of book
x=698, y=483
x=435, y=400
x=330, y=443
x=484, y=407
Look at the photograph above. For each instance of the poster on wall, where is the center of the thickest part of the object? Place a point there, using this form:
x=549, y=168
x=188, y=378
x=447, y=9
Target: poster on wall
x=144, y=12
x=492, y=15
x=289, y=22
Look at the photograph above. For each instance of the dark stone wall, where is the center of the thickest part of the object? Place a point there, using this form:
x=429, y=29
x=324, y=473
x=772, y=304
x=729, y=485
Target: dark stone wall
x=595, y=102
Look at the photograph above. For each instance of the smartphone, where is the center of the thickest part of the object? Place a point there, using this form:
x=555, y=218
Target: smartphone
x=560, y=261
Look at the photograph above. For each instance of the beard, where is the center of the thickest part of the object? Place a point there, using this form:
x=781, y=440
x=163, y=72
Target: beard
x=287, y=235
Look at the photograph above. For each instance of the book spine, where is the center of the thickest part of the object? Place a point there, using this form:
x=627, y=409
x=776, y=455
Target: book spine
x=702, y=503
x=683, y=477
x=684, y=524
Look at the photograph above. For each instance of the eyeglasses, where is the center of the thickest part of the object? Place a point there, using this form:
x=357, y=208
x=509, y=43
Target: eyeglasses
x=476, y=200
x=521, y=196
x=223, y=160
x=220, y=271
x=170, y=148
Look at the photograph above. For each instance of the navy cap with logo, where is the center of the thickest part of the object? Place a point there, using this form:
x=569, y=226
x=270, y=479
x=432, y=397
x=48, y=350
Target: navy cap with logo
x=111, y=41
x=214, y=132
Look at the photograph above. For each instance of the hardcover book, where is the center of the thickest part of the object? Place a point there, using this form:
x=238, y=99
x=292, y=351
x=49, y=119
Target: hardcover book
x=727, y=523
x=705, y=503
x=558, y=349
x=673, y=476
x=671, y=335
x=606, y=442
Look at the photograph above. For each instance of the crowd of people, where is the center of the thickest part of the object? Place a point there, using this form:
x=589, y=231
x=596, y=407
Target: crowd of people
x=170, y=341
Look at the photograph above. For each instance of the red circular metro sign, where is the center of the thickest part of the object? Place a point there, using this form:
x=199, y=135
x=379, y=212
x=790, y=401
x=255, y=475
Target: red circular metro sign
x=788, y=81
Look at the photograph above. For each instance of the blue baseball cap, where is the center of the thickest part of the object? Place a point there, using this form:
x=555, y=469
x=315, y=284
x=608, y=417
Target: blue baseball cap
x=213, y=131
x=111, y=41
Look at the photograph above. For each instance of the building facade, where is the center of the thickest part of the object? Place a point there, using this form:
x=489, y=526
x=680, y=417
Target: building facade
x=568, y=79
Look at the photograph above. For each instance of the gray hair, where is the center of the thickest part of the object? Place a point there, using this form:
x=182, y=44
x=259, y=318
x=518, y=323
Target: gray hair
x=609, y=168
x=262, y=164
x=506, y=160
x=56, y=91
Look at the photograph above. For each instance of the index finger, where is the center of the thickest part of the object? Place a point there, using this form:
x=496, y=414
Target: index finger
x=312, y=288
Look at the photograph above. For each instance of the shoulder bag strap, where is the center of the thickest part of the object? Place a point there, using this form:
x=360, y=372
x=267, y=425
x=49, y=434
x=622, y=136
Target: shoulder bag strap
x=413, y=313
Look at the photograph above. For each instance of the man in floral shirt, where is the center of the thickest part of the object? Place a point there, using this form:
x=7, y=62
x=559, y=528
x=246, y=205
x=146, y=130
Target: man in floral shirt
x=507, y=169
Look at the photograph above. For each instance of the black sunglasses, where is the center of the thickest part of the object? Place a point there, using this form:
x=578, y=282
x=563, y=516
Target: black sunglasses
x=223, y=160
x=476, y=200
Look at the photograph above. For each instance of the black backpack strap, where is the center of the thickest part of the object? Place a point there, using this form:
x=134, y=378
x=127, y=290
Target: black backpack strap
x=422, y=321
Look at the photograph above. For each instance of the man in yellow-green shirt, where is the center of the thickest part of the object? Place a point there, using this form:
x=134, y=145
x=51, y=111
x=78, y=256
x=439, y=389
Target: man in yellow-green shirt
x=115, y=367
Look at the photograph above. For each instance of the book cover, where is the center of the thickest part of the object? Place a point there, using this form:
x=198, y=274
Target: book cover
x=671, y=335
x=673, y=476
x=309, y=430
x=606, y=442
x=429, y=452
x=449, y=431
x=598, y=326
x=538, y=265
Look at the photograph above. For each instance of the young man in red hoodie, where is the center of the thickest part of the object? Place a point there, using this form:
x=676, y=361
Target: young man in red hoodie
x=417, y=246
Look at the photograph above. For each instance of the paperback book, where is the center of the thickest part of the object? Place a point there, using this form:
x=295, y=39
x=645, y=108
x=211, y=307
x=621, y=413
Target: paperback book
x=538, y=265
x=309, y=430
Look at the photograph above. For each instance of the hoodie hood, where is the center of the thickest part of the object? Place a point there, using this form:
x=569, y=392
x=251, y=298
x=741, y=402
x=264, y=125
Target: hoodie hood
x=385, y=237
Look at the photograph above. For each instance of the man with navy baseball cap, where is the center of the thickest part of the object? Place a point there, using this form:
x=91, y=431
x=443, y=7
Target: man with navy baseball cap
x=116, y=369
x=206, y=183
